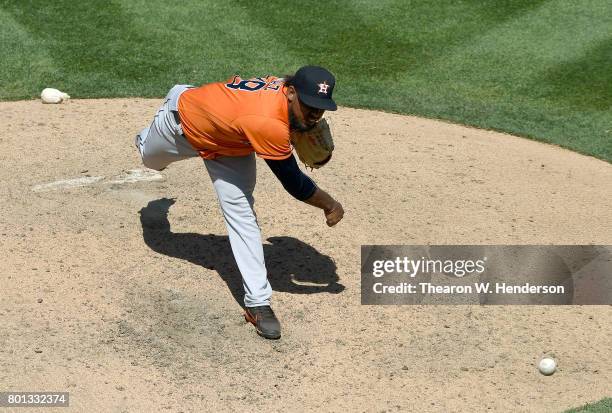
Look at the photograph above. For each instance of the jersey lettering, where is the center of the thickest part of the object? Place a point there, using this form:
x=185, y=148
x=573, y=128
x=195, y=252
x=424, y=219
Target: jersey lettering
x=254, y=84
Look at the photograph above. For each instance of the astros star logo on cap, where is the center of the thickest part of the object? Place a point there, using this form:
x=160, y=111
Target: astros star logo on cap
x=315, y=86
x=323, y=87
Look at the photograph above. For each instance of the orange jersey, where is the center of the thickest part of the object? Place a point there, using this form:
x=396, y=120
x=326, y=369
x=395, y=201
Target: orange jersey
x=237, y=117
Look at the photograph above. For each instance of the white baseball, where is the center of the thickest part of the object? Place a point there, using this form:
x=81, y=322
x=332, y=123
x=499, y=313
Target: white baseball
x=547, y=366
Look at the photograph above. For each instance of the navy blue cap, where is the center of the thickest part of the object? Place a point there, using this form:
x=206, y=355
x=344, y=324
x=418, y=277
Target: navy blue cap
x=315, y=86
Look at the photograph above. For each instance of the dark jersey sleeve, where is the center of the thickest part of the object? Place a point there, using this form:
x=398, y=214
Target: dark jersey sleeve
x=297, y=183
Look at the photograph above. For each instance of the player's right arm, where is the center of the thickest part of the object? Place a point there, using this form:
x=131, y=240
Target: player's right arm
x=333, y=209
x=269, y=139
x=301, y=187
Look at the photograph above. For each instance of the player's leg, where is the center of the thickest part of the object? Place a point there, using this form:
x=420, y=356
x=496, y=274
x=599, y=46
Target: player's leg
x=234, y=182
x=163, y=142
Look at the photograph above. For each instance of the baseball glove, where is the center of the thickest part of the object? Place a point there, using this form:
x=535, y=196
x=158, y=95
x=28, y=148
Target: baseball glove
x=314, y=147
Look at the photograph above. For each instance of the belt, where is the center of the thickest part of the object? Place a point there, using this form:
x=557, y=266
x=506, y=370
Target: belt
x=178, y=121
x=176, y=116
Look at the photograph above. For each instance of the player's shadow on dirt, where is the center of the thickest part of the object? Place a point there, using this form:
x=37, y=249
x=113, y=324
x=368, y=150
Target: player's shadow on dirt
x=292, y=265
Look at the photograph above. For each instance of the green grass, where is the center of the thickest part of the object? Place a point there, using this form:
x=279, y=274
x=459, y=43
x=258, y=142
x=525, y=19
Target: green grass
x=534, y=68
x=602, y=406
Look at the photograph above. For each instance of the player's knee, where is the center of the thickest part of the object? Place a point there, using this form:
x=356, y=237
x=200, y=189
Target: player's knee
x=153, y=162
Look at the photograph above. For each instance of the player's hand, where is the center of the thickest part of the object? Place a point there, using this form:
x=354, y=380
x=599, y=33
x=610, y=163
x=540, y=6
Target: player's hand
x=334, y=214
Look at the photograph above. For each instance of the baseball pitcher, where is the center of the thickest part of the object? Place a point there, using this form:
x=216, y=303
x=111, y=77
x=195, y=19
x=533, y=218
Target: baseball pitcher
x=226, y=124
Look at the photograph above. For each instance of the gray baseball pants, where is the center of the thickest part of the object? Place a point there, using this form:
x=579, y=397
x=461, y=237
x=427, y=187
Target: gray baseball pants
x=234, y=181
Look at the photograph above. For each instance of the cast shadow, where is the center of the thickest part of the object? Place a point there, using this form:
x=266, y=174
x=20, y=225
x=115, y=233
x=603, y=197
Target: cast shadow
x=292, y=265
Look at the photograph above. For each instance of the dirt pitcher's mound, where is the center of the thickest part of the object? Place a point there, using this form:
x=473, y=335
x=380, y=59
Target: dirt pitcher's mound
x=120, y=288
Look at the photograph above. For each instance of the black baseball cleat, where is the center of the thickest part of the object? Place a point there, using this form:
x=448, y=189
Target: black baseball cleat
x=264, y=320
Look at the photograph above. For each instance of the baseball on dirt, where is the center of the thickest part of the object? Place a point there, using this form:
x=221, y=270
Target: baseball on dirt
x=547, y=366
